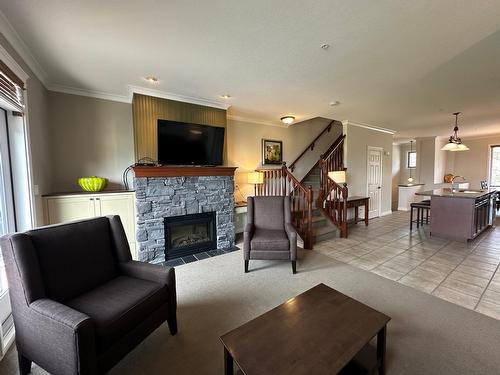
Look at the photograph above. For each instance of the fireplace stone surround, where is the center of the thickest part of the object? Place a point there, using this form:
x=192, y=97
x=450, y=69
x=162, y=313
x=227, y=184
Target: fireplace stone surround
x=160, y=197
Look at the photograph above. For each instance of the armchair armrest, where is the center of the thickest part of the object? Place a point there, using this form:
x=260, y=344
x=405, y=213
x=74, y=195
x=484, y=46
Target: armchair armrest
x=52, y=329
x=150, y=272
x=155, y=273
x=292, y=237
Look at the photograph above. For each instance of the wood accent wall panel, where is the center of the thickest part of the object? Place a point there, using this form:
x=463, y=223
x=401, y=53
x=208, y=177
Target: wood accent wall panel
x=147, y=110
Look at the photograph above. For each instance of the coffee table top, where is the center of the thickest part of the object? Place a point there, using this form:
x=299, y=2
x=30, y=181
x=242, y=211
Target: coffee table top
x=316, y=332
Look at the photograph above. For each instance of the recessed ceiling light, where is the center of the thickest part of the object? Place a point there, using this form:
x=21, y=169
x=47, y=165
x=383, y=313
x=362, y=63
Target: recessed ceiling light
x=225, y=96
x=325, y=46
x=151, y=79
x=334, y=103
x=287, y=119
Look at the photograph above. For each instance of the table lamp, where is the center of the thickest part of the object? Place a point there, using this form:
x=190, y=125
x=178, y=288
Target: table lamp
x=255, y=178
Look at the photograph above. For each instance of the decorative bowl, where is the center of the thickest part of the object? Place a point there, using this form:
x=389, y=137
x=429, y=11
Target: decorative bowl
x=92, y=183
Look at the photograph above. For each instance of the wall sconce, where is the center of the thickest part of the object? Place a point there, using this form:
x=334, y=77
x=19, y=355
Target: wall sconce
x=255, y=178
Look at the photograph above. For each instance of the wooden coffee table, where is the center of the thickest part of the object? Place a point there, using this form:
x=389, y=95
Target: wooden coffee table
x=321, y=331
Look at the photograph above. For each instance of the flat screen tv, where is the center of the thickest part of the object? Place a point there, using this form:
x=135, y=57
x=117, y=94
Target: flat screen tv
x=181, y=143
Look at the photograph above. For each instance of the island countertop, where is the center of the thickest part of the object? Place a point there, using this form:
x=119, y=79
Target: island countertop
x=447, y=193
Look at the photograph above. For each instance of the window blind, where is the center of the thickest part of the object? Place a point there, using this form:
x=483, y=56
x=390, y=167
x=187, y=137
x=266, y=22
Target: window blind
x=11, y=88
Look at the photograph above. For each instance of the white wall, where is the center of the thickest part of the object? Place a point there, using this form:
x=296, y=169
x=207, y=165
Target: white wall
x=396, y=172
x=90, y=137
x=357, y=141
x=244, y=141
x=426, y=149
x=473, y=164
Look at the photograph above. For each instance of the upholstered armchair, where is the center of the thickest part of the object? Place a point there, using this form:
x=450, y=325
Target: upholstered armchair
x=269, y=233
x=79, y=301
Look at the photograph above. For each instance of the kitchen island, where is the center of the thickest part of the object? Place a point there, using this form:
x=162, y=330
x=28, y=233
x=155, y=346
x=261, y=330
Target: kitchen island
x=460, y=215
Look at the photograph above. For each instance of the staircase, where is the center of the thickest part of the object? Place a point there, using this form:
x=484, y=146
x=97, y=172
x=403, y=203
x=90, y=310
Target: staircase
x=323, y=228
x=318, y=204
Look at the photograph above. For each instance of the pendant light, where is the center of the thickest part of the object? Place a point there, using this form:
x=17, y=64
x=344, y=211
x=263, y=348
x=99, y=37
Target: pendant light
x=454, y=142
x=410, y=179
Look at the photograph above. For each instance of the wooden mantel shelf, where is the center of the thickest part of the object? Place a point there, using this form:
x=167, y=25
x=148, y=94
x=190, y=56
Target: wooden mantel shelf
x=178, y=171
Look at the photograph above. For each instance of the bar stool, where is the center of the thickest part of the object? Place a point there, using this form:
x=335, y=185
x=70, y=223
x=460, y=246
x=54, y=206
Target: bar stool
x=422, y=208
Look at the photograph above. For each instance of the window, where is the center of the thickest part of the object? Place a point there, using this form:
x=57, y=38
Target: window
x=495, y=166
x=412, y=159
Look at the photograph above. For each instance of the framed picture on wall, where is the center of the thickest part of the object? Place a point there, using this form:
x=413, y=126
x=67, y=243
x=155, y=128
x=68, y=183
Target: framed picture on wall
x=272, y=152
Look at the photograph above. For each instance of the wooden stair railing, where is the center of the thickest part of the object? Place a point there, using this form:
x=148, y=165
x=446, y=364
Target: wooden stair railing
x=310, y=147
x=282, y=182
x=332, y=197
x=331, y=160
x=335, y=205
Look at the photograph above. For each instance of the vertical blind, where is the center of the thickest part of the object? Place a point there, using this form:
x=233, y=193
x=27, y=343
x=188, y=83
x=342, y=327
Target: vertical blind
x=11, y=88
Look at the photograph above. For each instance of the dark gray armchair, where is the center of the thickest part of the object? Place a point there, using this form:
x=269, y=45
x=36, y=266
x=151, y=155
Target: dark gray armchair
x=269, y=233
x=79, y=301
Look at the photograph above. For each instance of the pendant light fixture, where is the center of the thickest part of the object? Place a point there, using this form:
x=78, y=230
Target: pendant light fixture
x=410, y=179
x=454, y=142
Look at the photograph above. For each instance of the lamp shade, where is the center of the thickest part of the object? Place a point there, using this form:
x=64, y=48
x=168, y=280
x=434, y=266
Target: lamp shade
x=338, y=176
x=461, y=147
x=450, y=146
x=255, y=178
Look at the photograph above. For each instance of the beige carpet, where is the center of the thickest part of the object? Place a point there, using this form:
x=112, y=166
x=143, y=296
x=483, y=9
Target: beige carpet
x=427, y=335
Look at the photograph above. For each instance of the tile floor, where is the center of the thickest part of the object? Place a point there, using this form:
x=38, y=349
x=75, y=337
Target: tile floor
x=462, y=273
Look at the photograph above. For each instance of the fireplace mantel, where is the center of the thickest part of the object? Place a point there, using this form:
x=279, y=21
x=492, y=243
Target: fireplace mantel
x=178, y=171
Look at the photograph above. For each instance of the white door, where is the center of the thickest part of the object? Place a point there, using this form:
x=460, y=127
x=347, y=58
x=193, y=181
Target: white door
x=374, y=180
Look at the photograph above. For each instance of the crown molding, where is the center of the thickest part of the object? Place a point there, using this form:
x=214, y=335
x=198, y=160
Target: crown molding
x=258, y=122
x=20, y=47
x=90, y=93
x=13, y=65
x=179, y=98
x=367, y=126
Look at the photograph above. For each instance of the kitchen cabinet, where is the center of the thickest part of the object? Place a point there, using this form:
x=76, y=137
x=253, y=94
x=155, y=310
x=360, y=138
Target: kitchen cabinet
x=60, y=208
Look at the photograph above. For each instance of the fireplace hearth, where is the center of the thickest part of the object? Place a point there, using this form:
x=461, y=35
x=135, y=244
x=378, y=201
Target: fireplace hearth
x=190, y=234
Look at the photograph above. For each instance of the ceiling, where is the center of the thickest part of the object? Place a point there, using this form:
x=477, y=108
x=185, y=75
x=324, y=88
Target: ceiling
x=403, y=65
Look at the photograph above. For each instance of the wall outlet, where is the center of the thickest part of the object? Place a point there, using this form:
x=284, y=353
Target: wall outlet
x=36, y=190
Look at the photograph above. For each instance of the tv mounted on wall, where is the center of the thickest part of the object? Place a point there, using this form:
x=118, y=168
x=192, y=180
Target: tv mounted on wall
x=181, y=143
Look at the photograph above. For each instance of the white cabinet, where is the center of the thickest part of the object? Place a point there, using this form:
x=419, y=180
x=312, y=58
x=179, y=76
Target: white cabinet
x=62, y=208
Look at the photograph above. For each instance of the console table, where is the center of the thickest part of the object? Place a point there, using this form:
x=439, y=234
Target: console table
x=356, y=202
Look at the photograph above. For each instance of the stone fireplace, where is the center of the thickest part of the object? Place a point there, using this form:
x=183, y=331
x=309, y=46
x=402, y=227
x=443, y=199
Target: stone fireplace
x=183, y=210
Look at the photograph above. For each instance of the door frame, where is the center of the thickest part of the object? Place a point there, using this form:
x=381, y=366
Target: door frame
x=381, y=149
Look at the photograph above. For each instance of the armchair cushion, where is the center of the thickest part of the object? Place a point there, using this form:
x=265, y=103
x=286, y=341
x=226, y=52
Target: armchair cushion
x=118, y=306
x=89, y=243
x=268, y=213
x=269, y=239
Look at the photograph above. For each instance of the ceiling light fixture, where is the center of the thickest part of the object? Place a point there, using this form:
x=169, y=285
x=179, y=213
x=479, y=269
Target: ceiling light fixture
x=225, y=96
x=151, y=79
x=287, y=119
x=334, y=103
x=454, y=142
x=325, y=46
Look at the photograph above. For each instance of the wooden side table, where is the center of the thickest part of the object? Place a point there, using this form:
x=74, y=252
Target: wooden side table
x=356, y=202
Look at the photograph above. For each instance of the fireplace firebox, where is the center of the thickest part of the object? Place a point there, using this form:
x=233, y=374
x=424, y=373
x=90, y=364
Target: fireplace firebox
x=189, y=234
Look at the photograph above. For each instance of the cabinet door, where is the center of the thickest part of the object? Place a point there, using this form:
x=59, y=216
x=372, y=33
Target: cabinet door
x=60, y=210
x=121, y=205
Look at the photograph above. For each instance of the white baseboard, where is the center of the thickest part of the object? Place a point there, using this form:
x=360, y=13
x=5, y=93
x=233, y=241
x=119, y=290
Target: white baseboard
x=385, y=213
x=403, y=209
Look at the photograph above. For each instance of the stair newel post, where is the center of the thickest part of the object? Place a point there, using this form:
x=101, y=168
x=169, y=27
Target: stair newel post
x=309, y=217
